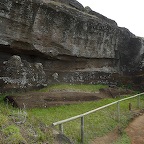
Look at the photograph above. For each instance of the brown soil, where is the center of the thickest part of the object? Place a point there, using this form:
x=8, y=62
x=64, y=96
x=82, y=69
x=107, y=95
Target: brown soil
x=107, y=139
x=135, y=130
x=50, y=99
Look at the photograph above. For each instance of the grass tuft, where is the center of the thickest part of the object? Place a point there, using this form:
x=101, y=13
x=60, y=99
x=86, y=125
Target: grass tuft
x=3, y=120
x=13, y=135
x=124, y=139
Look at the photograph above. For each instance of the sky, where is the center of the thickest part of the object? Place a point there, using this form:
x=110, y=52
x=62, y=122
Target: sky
x=127, y=13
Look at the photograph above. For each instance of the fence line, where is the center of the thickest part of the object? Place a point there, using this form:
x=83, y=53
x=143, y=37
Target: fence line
x=60, y=123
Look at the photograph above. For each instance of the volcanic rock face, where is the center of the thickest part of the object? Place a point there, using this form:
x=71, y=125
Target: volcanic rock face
x=24, y=74
x=54, y=41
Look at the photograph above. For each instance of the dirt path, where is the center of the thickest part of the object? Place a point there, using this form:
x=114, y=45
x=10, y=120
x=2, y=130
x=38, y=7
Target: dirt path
x=108, y=139
x=135, y=130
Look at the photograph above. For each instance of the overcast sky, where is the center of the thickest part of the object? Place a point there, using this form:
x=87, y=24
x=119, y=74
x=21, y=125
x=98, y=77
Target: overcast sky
x=127, y=13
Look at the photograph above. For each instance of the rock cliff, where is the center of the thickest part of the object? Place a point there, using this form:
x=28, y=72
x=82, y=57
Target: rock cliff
x=59, y=41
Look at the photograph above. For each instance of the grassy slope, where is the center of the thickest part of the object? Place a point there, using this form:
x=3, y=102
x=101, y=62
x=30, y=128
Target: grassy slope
x=76, y=87
x=34, y=129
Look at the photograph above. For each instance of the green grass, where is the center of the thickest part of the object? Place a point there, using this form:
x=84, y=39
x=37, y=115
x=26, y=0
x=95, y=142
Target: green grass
x=36, y=129
x=97, y=124
x=13, y=135
x=62, y=112
x=123, y=139
x=81, y=88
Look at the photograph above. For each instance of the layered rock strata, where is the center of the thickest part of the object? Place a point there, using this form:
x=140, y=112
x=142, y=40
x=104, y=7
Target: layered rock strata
x=59, y=41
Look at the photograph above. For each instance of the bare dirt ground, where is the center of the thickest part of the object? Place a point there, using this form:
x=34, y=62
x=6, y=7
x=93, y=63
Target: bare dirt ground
x=135, y=130
x=107, y=139
x=57, y=98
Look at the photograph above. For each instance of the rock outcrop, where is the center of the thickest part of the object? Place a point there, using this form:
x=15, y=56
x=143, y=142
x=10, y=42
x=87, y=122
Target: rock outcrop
x=59, y=41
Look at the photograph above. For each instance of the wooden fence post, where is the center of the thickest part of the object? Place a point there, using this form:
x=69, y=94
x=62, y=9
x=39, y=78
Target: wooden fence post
x=82, y=129
x=139, y=101
x=118, y=111
x=61, y=128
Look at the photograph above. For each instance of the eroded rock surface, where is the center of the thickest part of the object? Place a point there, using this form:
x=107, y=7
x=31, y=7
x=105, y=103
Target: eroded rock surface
x=54, y=41
x=21, y=74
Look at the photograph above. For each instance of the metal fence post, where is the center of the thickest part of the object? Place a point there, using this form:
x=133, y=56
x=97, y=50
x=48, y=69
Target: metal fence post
x=118, y=111
x=139, y=101
x=82, y=129
x=61, y=128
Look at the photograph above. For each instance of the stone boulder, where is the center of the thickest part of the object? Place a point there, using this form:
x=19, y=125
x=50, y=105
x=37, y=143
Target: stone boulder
x=19, y=74
x=100, y=16
x=72, y=3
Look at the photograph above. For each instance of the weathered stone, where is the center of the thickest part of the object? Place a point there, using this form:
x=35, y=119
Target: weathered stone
x=91, y=12
x=72, y=3
x=19, y=74
x=54, y=41
x=56, y=30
